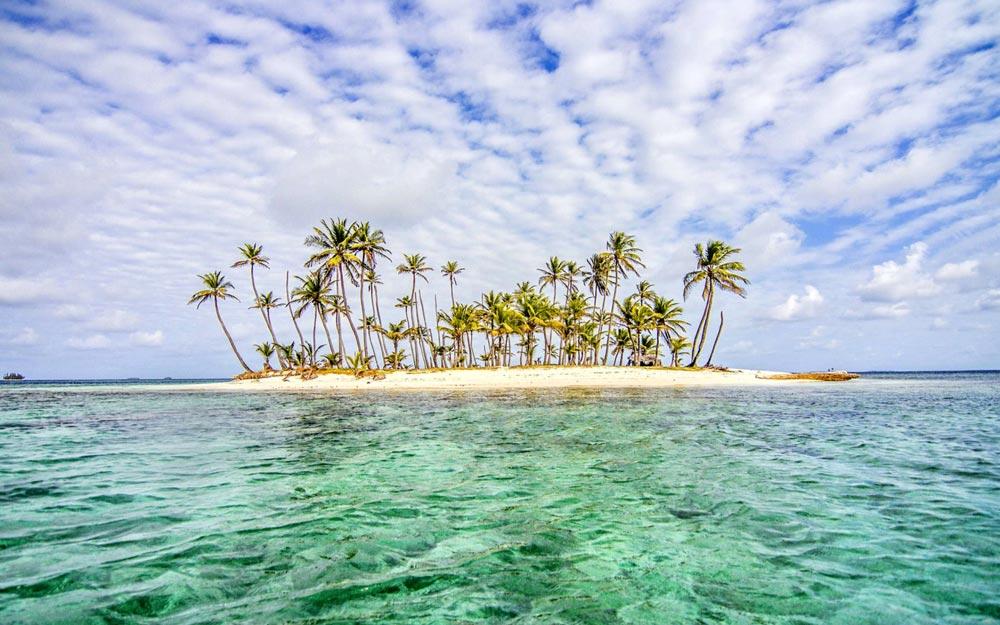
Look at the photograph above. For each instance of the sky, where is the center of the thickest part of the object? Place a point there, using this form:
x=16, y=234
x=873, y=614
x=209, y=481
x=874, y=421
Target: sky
x=850, y=148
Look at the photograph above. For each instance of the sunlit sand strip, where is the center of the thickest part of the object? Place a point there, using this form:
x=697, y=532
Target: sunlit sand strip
x=509, y=378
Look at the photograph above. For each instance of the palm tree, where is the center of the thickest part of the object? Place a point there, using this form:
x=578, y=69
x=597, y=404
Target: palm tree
x=571, y=271
x=216, y=288
x=336, y=243
x=714, y=270
x=450, y=270
x=666, y=318
x=678, y=346
x=314, y=292
x=332, y=361
x=370, y=244
x=252, y=255
x=416, y=266
x=552, y=274
x=265, y=302
x=597, y=275
x=266, y=350
x=625, y=258
x=396, y=332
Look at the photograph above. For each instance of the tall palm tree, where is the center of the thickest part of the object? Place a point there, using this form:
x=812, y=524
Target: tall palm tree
x=625, y=258
x=336, y=244
x=265, y=302
x=370, y=245
x=450, y=270
x=314, y=291
x=571, y=271
x=252, y=255
x=715, y=270
x=553, y=273
x=216, y=288
x=415, y=265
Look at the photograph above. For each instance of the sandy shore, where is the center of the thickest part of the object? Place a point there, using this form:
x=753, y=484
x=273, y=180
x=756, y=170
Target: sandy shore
x=522, y=378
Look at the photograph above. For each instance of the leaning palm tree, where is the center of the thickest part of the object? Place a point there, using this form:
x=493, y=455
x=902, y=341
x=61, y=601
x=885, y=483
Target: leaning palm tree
x=450, y=270
x=266, y=302
x=715, y=270
x=252, y=255
x=216, y=288
x=625, y=258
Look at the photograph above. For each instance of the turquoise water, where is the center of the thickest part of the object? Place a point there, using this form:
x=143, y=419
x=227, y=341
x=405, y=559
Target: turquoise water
x=875, y=501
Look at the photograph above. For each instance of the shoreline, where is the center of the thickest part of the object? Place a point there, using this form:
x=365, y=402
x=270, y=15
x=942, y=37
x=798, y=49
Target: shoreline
x=514, y=378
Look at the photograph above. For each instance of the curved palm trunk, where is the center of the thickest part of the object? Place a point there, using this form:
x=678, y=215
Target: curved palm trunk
x=696, y=351
x=722, y=321
x=263, y=313
x=326, y=329
x=291, y=313
x=218, y=315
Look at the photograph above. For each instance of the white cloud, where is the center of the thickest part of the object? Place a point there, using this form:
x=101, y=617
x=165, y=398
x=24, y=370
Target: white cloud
x=957, y=271
x=799, y=306
x=890, y=311
x=19, y=291
x=94, y=341
x=989, y=300
x=113, y=321
x=146, y=339
x=893, y=282
x=25, y=336
x=805, y=132
x=71, y=311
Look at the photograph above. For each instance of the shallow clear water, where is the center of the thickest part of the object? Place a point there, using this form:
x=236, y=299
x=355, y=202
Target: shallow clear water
x=875, y=501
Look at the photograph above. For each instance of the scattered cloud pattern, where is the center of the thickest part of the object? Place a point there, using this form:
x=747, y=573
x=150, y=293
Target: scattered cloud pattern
x=846, y=144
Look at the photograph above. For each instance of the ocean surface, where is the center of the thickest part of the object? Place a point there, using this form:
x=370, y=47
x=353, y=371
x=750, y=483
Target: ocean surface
x=872, y=501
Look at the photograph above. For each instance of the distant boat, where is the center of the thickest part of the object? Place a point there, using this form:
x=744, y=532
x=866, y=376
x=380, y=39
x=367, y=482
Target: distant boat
x=13, y=376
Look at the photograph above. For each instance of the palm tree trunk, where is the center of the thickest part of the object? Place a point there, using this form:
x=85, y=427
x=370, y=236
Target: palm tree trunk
x=696, y=352
x=614, y=298
x=451, y=286
x=314, y=346
x=423, y=340
x=326, y=329
x=291, y=313
x=267, y=321
x=722, y=321
x=364, y=314
x=225, y=330
x=350, y=320
x=373, y=295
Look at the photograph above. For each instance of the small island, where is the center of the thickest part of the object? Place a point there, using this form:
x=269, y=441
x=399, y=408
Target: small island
x=575, y=326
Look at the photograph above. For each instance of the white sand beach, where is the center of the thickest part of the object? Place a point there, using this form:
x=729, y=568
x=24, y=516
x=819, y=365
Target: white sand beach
x=515, y=377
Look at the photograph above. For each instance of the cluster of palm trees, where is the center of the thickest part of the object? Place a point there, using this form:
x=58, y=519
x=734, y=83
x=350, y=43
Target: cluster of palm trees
x=574, y=323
